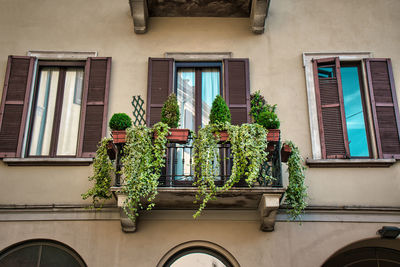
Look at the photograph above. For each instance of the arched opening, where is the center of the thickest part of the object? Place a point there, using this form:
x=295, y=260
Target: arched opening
x=198, y=254
x=367, y=253
x=40, y=252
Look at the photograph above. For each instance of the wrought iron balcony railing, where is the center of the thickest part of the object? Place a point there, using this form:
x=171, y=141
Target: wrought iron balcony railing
x=179, y=171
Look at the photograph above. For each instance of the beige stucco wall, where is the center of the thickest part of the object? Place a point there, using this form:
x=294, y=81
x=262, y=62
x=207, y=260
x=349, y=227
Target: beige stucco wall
x=293, y=27
x=101, y=243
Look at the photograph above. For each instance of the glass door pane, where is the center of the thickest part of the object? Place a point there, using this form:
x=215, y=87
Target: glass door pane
x=186, y=82
x=210, y=88
x=186, y=97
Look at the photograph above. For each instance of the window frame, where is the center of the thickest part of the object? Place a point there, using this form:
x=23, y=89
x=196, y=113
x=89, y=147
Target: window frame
x=62, y=65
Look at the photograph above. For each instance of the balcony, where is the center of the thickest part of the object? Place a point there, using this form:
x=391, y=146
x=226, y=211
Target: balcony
x=176, y=190
x=256, y=10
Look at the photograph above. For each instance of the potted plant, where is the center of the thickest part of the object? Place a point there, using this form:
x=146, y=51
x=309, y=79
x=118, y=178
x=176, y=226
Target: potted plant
x=265, y=115
x=286, y=152
x=118, y=124
x=220, y=115
x=170, y=115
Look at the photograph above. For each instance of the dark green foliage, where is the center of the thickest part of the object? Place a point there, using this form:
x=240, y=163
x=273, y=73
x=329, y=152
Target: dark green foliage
x=269, y=120
x=263, y=113
x=220, y=113
x=257, y=105
x=120, y=121
x=170, y=112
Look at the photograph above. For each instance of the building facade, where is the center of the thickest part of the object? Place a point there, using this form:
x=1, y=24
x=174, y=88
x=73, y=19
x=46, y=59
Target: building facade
x=79, y=62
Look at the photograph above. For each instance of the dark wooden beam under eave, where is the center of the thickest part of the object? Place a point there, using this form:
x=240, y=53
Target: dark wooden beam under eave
x=258, y=15
x=140, y=15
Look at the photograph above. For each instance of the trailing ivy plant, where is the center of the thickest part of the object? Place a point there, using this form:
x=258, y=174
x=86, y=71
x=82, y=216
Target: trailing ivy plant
x=248, y=143
x=296, y=192
x=142, y=160
x=102, y=171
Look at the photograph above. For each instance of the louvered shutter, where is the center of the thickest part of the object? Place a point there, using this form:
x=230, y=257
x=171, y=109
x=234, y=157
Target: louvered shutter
x=237, y=89
x=94, y=105
x=331, y=116
x=159, y=86
x=14, y=104
x=384, y=106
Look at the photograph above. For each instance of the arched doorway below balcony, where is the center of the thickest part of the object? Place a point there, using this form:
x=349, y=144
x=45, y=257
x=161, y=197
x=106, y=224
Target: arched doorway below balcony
x=198, y=254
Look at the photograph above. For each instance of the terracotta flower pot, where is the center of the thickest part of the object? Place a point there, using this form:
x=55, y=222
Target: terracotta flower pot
x=286, y=151
x=178, y=135
x=273, y=135
x=223, y=136
x=119, y=136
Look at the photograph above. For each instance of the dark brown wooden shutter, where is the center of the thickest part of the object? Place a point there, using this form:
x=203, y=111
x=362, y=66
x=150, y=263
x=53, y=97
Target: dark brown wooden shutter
x=385, y=109
x=94, y=105
x=159, y=86
x=331, y=116
x=237, y=89
x=14, y=104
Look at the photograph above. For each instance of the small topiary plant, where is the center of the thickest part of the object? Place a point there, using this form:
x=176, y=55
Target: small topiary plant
x=120, y=121
x=268, y=119
x=257, y=105
x=220, y=113
x=170, y=112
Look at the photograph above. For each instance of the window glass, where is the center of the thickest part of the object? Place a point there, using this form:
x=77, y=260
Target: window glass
x=198, y=260
x=71, y=108
x=44, y=112
x=210, y=84
x=56, y=112
x=41, y=254
x=326, y=72
x=186, y=97
x=354, y=112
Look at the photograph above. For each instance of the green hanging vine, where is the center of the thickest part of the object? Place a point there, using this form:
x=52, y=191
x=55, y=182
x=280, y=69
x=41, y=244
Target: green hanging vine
x=103, y=169
x=296, y=192
x=143, y=159
x=248, y=143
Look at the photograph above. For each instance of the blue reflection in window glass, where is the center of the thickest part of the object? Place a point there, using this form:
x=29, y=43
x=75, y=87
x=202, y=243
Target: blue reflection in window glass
x=326, y=72
x=354, y=112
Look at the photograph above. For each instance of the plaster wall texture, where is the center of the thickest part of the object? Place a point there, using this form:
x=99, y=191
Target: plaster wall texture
x=102, y=243
x=292, y=27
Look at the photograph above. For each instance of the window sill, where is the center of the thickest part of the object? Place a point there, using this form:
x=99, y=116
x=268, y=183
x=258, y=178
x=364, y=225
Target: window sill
x=350, y=163
x=48, y=161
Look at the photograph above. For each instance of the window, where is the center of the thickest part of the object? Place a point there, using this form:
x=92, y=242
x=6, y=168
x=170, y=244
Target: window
x=53, y=108
x=40, y=253
x=353, y=107
x=196, y=86
x=56, y=110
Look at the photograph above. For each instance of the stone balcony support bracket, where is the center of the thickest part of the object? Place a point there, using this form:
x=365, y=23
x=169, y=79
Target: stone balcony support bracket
x=140, y=15
x=127, y=225
x=258, y=15
x=268, y=208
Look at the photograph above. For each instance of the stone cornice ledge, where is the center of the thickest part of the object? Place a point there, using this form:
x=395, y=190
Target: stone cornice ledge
x=48, y=161
x=350, y=163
